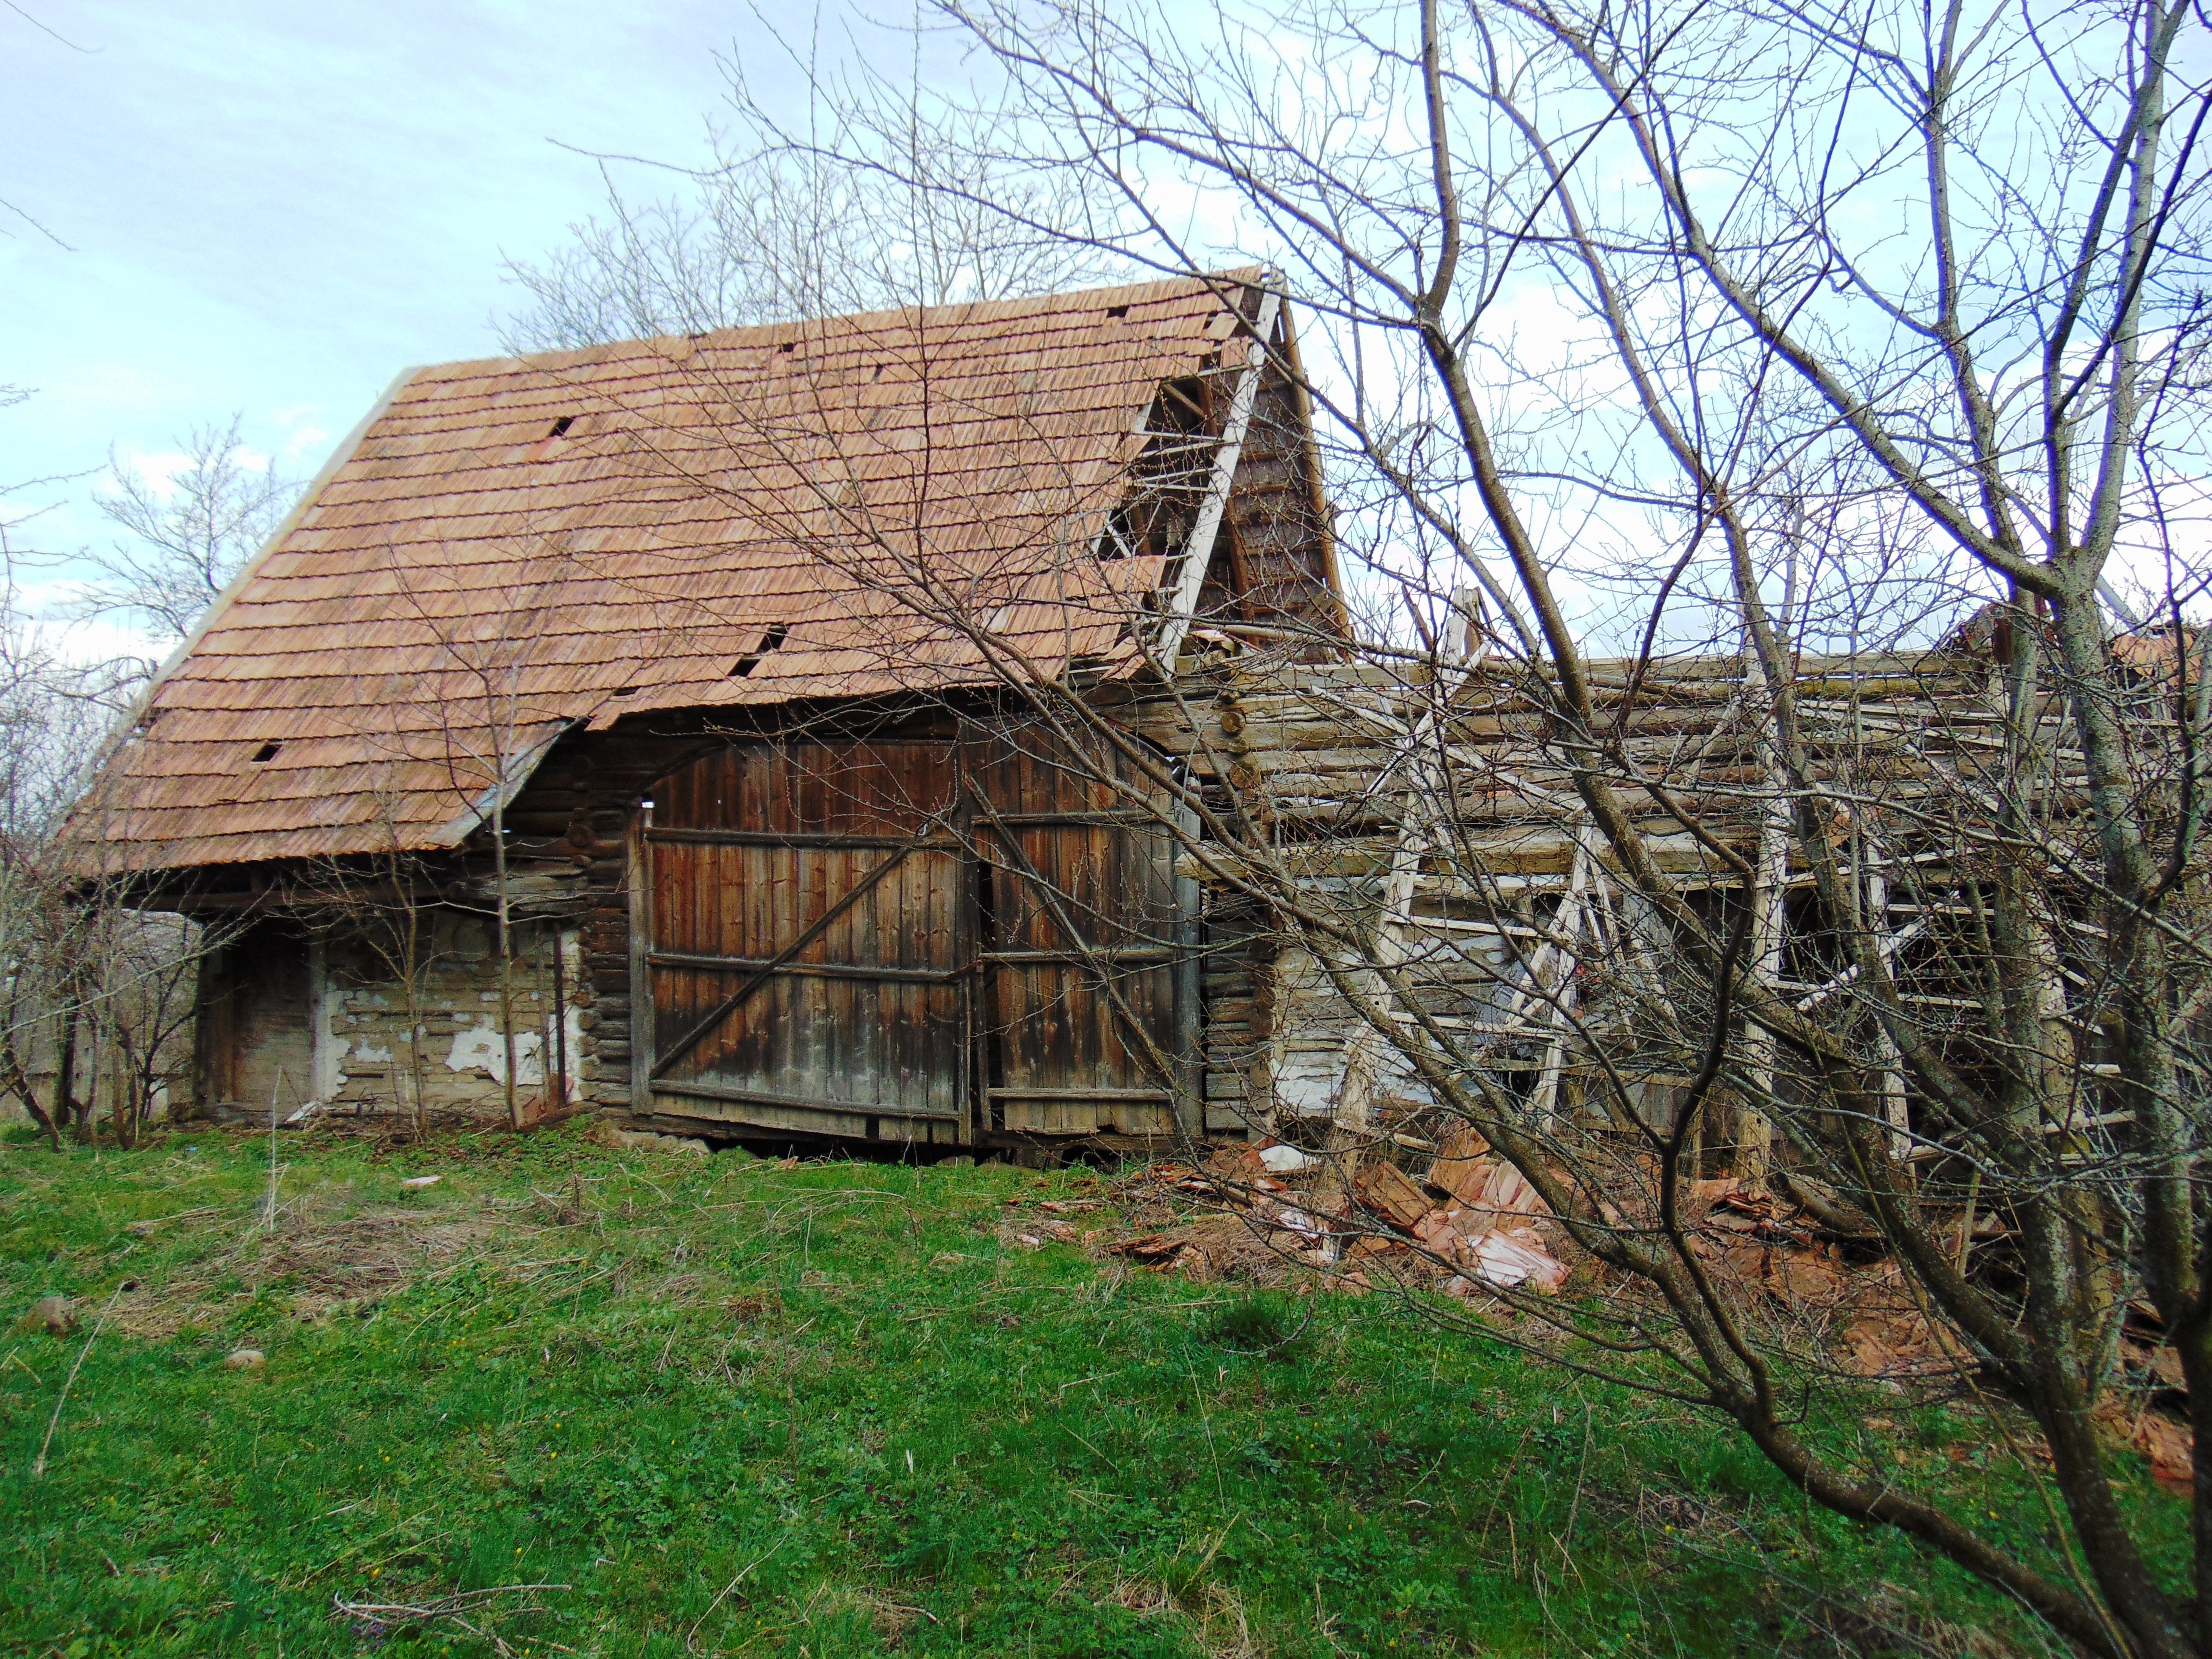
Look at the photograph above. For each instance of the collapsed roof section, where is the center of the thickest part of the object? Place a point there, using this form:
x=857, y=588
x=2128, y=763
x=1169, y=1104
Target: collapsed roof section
x=507, y=549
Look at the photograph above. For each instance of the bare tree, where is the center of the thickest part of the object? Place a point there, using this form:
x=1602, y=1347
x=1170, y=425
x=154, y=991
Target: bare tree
x=37, y=922
x=1829, y=376
x=383, y=908
x=103, y=991
x=186, y=534
x=487, y=730
x=136, y=979
x=781, y=226
x=85, y=977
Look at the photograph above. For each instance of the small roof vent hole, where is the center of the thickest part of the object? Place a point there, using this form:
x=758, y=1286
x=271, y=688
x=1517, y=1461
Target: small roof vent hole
x=561, y=427
x=1117, y=311
x=266, y=752
x=776, y=635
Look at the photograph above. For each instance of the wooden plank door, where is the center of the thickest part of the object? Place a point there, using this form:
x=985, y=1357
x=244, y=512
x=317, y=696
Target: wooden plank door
x=809, y=931
x=1082, y=1027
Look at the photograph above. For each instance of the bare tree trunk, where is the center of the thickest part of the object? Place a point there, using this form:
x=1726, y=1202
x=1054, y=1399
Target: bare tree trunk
x=65, y=1107
x=505, y=950
x=18, y=1082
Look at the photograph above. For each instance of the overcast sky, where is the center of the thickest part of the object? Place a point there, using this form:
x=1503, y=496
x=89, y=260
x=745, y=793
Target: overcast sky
x=273, y=209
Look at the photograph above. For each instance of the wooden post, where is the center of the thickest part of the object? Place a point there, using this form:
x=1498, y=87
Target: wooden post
x=641, y=1021
x=1754, y=1149
x=215, y=1035
x=975, y=981
x=560, y=1047
x=1189, y=989
x=1885, y=1051
x=1566, y=927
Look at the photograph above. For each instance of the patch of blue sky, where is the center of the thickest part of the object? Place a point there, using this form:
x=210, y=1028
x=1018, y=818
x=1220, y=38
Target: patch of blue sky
x=270, y=209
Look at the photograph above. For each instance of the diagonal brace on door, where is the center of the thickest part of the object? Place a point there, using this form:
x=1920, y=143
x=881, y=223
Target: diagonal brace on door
x=761, y=975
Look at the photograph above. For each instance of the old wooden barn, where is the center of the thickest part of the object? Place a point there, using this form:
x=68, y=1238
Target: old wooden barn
x=630, y=727
x=773, y=733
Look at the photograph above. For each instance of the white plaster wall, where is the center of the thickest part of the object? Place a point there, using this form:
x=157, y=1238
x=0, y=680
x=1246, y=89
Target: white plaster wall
x=327, y=1068
x=365, y=1049
x=480, y=1048
x=572, y=1017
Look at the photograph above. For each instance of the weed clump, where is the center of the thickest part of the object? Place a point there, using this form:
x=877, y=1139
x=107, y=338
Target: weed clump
x=1253, y=1325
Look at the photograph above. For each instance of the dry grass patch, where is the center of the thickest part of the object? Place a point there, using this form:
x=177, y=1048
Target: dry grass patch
x=326, y=1261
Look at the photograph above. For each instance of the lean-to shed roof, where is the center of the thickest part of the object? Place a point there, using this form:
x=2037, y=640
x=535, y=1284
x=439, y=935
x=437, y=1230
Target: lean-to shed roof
x=508, y=548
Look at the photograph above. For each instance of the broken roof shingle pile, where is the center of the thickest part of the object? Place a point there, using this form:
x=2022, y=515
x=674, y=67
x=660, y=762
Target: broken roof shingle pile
x=1804, y=1272
x=1472, y=1219
x=513, y=547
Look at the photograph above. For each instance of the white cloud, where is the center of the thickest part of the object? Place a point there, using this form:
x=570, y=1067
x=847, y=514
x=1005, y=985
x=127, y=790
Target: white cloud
x=157, y=469
x=306, y=440
x=101, y=639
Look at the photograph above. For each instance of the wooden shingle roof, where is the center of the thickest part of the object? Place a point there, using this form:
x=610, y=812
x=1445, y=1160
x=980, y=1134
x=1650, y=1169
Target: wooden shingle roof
x=509, y=548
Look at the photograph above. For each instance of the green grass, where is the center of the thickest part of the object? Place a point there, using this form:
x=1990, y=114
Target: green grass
x=825, y=1410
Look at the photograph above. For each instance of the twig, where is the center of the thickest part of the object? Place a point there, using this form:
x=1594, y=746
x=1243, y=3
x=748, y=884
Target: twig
x=1966, y=1219
x=386, y=1613
x=691, y=1636
x=179, y=1215
x=38, y=1467
x=1220, y=1491
x=392, y=1612
x=1100, y=1377
x=269, y=1204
